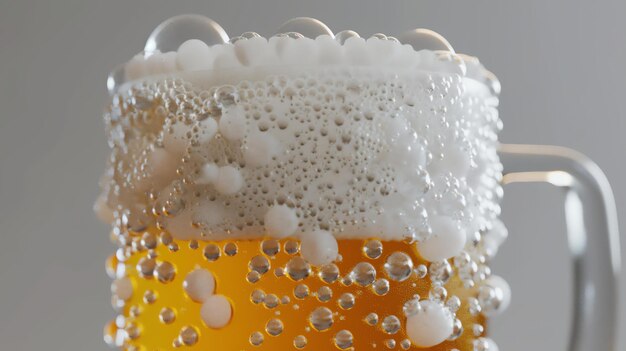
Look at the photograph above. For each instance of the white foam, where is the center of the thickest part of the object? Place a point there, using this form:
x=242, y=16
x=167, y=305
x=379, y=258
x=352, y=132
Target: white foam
x=280, y=51
x=357, y=148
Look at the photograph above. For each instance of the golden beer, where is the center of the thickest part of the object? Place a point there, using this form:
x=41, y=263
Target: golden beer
x=274, y=309
x=293, y=193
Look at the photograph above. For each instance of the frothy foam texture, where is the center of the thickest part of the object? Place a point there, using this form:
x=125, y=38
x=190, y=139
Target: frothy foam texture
x=333, y=152
x=247, y=55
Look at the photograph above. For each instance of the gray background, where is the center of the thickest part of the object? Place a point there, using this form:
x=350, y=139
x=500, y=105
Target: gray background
x=562, y=67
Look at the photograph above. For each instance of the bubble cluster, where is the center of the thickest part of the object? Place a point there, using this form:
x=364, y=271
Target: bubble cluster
x=320, y=155
x=392, y=151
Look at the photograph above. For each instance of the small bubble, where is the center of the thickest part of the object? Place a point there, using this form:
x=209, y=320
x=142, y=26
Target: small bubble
x=405, y=344
x=301, y=291
x=230, y=249
x=324, y=294
x=259, y=264
x=297, y=268
x=274, y=327
x=390, y=343
x=346, y=301
x=253, y=277
x=438, y=293
x=149, y=297
x=257, y=296
x=411, y=306
x=270, y=247
x=149, y=240
x=145, y=267
x=478, y=330
x=165, y=272
x=299, y=341
x=399, y=266
x=421, y=271
x=457, y=330
x=270, y=301
x=364, y=273
x=212, y=252
x=440, y=271
x=381, y=287
x=371, y=319
x=321, y=318
x=188, y=336
x=132, y=331
x=292, y=247
x=167, y=315
x=344, y=339
x=391, y=324
x=329, y=273
x=453, y=303
x=256, y=338
x=373, y=249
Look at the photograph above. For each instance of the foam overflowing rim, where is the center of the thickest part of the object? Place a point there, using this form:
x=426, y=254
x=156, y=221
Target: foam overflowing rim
x=192, y=43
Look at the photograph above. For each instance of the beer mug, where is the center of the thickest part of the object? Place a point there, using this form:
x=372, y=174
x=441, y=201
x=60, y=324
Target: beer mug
x=318, y=191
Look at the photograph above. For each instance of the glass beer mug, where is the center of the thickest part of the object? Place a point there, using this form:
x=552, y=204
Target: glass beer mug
x=321, y=191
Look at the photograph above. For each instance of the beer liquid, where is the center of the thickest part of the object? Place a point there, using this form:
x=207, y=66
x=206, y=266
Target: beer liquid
x=363, y=304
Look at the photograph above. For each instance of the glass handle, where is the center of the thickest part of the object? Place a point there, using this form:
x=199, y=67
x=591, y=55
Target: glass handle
x=592, y=234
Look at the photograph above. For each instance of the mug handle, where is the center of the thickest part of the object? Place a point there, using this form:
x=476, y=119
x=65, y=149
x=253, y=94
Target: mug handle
x=592, y=233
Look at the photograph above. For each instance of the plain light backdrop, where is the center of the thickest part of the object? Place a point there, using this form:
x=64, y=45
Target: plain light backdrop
x=562, y=65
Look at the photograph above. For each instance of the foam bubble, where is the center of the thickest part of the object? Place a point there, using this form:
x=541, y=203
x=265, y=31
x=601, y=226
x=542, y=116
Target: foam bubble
x=216, y=311
x=122, y=288
x=447, y=241
x=280, y=221
x=228, y=181
x=199, y=284
x=430, y=326
x=193, y=55
x=319, y=248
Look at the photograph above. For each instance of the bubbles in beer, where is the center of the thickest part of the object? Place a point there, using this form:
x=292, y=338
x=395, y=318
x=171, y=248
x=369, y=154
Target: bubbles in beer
x=257, y=296
x=364, y=273
x=300, y=341
x=256, y=338
x=270, y=247
x=212, y=252
x=270, y=301
x=343, y=339
x=165, y=272
x=399, y=266
x=373, y=249
x=381, y=286
x=346, y=301
x=274, y=327
x=167, y=315
x=391, y=324
x=230, y=249
x=324, y=294
x=149, y=297
x=329, y=273
x=188, y=336
x=146, y=266
x=371, y=319
x=297, y=268
x=259, y=264
x=301, y=291
x=321, y=318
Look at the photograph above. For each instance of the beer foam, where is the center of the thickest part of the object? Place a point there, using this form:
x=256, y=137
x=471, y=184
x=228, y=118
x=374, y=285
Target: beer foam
x=289, y=137
x=246, y=56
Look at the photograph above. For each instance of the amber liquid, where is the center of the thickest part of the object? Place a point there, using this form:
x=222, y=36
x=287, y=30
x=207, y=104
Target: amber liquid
x=147, y=331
